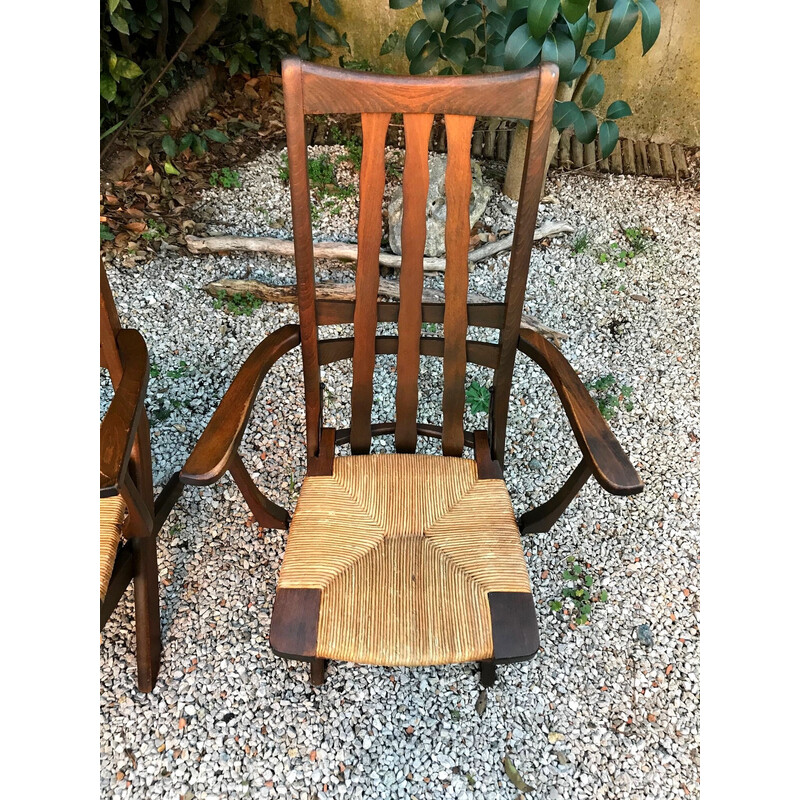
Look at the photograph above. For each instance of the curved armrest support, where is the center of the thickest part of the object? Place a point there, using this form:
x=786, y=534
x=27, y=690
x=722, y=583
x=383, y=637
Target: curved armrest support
x=610, y=465
x=118, y=428
x=212, y=453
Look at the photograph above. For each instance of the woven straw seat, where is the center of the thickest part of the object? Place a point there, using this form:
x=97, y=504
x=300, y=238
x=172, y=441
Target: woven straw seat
x=112, y=513
x=405, y=551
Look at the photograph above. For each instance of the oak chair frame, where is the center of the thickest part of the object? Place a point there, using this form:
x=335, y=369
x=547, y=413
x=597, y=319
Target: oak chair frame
x=126, y=469
x=310, y=89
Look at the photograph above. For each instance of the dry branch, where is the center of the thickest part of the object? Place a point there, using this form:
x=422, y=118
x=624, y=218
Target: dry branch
x=345, y=251
x=331, y=290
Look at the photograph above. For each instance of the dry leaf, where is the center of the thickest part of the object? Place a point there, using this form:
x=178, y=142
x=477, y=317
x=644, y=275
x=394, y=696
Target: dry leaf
x=136, y=227
x=480, y=706
x=515, y=777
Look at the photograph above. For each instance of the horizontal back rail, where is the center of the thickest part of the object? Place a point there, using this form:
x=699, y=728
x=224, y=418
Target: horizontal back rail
x=388, y=428
x=342, y=312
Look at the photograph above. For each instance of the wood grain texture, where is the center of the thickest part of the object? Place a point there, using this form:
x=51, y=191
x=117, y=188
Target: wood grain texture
x=267, y=514
x=415, y=195
x=515, y=631
x=457, y=187
x=527, y=210
x=219, y=441
x=292, y=78
x=370, y=228
x=295, y=619
x=610, y=465
x=506, y=94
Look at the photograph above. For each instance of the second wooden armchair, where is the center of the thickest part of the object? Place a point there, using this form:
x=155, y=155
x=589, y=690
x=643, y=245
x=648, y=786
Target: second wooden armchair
x=409, y=559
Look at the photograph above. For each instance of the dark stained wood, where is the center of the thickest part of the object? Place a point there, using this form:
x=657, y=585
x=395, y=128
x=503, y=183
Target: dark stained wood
x=120, y=579
x=208, y=461
x=109, y=328
x=457, y=187
x=266, y=513
x=370, y=224
x=295, y=618
x=527, y=211
x=323, y=463
x=543, y=517
x=292, y=78
x=415, y=194
x=388, y=428
x=487, y=466
x=515, y=631
x=145, y=602
x=488, y=673
x=327, y=90
x=341, y=312
x=318, y=665
x=611, y=467
x=119, y=426
x=483, y=353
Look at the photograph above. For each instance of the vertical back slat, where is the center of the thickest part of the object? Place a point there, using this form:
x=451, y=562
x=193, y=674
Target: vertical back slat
x=527, y=211
x=292, y=76
x=409, y=322
x=370, y=225
x=457, y=187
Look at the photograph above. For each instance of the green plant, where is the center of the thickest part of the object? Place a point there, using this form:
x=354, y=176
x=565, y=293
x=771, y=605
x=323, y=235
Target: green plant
x=310, y=26
x=106, y=235
x=478, y=397
x=609, y=393
x=430, y=327
x=581, y=243
x=283, y=170
x=156, y=229
x=351, y=145
x=155, y=370
x=238, y=304
x=616, y=254
x=322, y=178
x=182, y=370
x=471, y=36
x=226, y=178
x=578, y=595
x=197, y=141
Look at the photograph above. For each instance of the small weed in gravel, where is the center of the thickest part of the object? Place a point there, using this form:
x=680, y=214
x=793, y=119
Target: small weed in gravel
x=155, y=230
x=477, y=397
x=226, y=178
x=238, y=305
x=578, y=596
x=581, y=243
x=608, y=393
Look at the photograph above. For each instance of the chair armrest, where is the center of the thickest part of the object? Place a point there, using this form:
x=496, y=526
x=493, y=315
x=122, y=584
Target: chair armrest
x=220, y=440
x=610, y=465
x=119, y=426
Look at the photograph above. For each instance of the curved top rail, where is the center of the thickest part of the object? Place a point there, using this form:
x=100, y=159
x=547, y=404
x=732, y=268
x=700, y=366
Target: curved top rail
x=328, y=90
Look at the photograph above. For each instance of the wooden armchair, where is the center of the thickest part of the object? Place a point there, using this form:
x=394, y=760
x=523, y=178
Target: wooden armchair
x=408, y=559
x=128, y=515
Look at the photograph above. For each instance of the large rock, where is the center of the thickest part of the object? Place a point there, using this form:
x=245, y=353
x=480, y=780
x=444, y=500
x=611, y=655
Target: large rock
x=437, y=206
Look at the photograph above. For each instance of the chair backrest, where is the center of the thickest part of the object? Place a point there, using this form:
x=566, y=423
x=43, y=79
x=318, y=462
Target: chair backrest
x=311, y=89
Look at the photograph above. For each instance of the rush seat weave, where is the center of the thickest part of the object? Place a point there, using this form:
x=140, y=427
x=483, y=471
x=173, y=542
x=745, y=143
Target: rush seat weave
x=405, y=551
x=112, y=513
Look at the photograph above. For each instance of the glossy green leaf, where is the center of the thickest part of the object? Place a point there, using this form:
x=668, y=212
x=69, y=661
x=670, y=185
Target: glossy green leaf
x=578, y=68
x=573, y=10
x=597, y=49
x=325, y=32
x=577, y=31
x=390, y=43
x=120, y=23
x=398, y=4
x=112, y=5
x=331, y=7
x=623, y=18
x=564, y=114
x=184, y=20
x=605, y=5
x=495, y=53
x=434, y=13
x=108, y=87
x=618, y=109
x=425, y=59
x=474, y=66
x=593, y=91
x=455, y=51
x=419, y=34
x=168, y=146
x=559, y=49
x=170, y=169
x=651, y=23
x=585, y=127
x=126, y=68
x=608, y=135
x=448, y=70
x=521, y=49
x=216, y=136
x=541, y=14
x=464, y=18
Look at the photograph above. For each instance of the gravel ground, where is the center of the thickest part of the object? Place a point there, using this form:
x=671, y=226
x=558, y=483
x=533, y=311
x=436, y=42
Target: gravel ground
x=606, y=710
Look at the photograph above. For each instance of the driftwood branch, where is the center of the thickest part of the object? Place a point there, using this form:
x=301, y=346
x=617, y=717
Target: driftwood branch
x=345, y=251
x=331, y=290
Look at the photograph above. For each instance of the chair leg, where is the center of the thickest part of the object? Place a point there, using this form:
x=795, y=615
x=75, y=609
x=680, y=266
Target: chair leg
x=148, y=622
x=318, y=671
x=488, y=672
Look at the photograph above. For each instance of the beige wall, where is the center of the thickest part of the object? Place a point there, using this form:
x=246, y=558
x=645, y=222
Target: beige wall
x=662, y=88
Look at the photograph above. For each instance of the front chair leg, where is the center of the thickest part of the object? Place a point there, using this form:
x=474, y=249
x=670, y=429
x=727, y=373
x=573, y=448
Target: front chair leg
x=318, y=671
x=148, y=623
x=266, y=513
x=488, y=672
x=543, y=517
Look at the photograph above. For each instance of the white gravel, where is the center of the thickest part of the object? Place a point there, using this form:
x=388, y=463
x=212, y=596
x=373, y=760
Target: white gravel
x=598, y=713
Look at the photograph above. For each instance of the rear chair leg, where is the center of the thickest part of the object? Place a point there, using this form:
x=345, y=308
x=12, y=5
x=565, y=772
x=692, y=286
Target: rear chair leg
x=148, y=623
x=318, y=671
x=488, y=672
